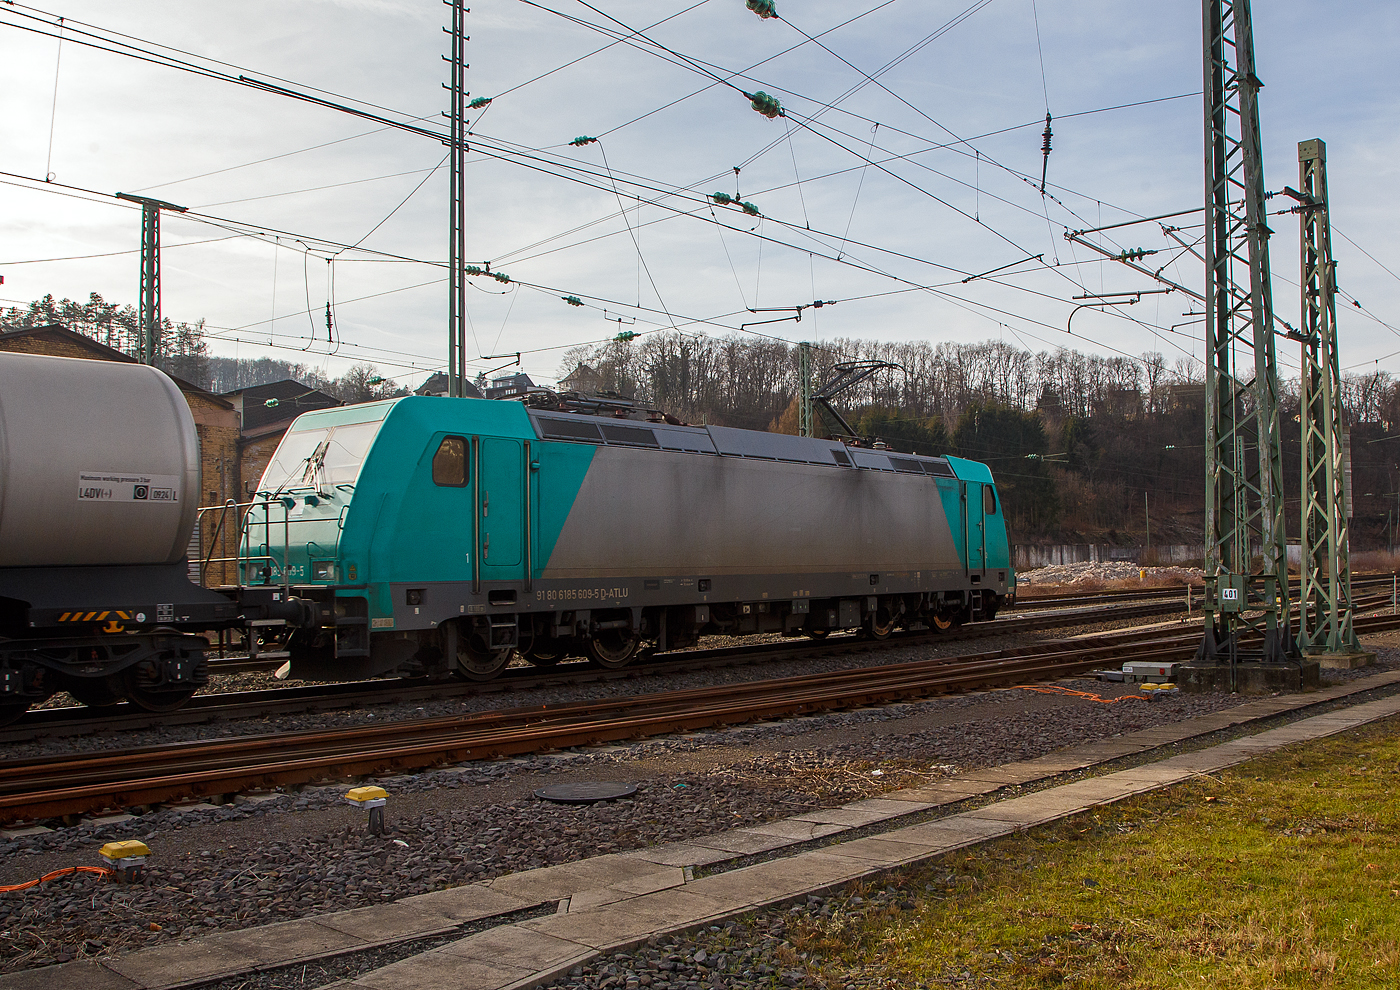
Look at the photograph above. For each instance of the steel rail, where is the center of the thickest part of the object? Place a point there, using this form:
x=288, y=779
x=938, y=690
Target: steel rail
x=69, y=785
x=77, y=720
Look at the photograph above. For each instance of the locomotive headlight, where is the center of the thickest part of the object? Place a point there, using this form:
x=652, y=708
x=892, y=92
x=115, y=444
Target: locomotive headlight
x=323, y=570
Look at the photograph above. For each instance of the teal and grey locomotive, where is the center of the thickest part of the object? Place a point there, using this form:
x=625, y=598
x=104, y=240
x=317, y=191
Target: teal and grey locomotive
x=439, y=536
x=451, y=533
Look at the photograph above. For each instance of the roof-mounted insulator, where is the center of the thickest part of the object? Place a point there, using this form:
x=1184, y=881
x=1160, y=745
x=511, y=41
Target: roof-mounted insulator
x=479, y=102
x=765, y=104
x=763, y=8
x=582, y=139
x=572, y=300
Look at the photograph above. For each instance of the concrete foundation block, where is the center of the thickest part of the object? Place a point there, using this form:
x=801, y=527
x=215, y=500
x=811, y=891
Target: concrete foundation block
x=1343, y=661
x=1248, y=678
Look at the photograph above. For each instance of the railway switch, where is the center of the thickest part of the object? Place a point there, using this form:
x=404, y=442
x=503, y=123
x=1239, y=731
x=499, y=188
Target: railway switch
x=127, y=859
x=373, y=798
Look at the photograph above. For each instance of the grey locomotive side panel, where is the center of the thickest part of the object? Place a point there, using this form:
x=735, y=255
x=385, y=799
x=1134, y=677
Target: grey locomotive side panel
x=648, y=512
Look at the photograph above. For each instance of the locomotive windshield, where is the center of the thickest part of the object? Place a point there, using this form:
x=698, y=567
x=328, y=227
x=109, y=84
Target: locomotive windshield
x=319, y=458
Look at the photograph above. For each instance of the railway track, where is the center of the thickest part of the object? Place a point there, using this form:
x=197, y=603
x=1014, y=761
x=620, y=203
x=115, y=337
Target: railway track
x=1022, y=602
x=73, y=785
x=78, y=720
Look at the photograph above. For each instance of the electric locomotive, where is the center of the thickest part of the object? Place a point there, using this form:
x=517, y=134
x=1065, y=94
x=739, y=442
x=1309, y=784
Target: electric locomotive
x=439, y=535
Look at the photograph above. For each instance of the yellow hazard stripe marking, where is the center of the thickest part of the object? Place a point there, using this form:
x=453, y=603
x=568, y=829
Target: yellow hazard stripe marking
x=93, y=616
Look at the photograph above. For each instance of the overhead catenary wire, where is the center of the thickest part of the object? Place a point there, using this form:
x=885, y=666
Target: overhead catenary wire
x=863, y=167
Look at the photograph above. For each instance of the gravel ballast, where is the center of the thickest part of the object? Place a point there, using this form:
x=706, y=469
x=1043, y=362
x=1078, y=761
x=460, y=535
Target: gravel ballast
x=283, y=856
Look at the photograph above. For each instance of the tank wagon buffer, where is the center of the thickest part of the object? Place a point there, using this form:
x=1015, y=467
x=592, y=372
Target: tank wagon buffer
x=442, y=536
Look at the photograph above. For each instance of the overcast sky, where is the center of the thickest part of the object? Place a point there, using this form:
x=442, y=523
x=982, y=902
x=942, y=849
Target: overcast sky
x=962, y=205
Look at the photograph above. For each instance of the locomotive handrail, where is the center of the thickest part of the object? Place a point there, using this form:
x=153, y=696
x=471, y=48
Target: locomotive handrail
x=276, y=557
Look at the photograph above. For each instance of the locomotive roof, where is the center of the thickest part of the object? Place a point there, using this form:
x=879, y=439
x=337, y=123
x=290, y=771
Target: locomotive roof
x=732, y=442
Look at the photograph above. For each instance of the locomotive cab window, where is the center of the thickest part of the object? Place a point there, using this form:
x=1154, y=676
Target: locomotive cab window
x=989, y=500
x=450, y=462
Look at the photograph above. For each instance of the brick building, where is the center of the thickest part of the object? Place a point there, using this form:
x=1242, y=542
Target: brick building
x=215, y=419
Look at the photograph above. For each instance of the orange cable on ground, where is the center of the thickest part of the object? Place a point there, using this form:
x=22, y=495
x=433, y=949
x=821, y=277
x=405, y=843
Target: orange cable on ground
x=55, y=874
x=1072, y=693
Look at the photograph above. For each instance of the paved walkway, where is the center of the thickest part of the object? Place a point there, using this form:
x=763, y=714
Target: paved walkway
x=612, y=902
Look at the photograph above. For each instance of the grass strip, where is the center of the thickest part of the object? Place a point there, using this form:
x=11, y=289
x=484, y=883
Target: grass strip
x=1283, y=872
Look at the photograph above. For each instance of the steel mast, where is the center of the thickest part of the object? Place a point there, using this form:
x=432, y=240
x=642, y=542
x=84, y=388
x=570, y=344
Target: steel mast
x=1244, y=463
x=457, y=224
x=1325, y=608
x=149, y=343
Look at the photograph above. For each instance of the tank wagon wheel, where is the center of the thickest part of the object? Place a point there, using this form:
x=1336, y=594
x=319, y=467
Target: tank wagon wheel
x=612, y=648
x=818, y=633
x=95, y=694
x=158, y=702
x=10, y=711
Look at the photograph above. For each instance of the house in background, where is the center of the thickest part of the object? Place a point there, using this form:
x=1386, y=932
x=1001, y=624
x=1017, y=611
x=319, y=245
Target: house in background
x=583, y=379
x=265, y=413
x=436, y=384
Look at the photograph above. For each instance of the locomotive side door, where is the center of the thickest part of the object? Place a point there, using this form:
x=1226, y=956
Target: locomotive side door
x=976, y=528
x=500, y=509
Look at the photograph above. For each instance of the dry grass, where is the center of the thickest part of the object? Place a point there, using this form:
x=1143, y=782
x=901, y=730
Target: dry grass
x=1284, y=873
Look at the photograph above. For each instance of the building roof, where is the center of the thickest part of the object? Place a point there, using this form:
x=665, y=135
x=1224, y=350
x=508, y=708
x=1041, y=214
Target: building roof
x=290, y=399
x=436, y=384
x=57, y=334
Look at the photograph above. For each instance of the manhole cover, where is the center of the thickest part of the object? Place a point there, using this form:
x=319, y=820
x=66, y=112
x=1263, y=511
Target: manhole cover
x=587, y=792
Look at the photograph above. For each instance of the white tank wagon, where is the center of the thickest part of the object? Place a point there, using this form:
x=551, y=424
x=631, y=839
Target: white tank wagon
x=99, y=488
x=99, y=464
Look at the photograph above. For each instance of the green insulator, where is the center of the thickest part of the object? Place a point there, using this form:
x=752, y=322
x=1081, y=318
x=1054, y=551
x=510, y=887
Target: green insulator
x=478, y=103
x=500, y=276
x=473, y=270
x=750, y=209
x=763, y=8
x=572, y=300
x=582, y=139
x=723, y=199
x=626, y=336
x=765, y=104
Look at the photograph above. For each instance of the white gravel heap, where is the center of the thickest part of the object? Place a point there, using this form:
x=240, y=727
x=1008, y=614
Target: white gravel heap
x=1109, y=570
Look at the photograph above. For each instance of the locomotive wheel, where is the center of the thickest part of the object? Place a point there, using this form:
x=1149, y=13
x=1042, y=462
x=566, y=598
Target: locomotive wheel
x=612, y=648
x=543, y=656
x=477, y=664
x=159, y=702
x=880, y=625
x=12, y=710
x=943, y=623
